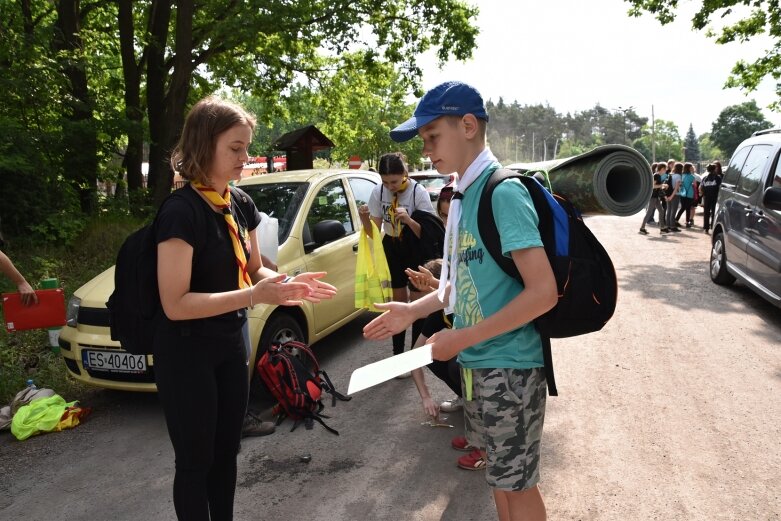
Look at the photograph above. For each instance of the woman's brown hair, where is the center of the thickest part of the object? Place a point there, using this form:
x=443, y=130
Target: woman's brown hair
x=209, y=118
x=678, y=168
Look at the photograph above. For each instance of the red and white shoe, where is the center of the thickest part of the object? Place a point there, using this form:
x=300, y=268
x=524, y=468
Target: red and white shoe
x=472, y=461
x=460, y=443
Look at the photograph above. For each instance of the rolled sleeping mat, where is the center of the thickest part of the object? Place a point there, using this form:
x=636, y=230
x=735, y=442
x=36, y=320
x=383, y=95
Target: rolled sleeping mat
x=613, y=179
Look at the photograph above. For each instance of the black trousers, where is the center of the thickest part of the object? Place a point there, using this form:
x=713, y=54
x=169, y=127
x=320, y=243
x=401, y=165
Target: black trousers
x=709, y=204
x=448, y=372
x=203, y=387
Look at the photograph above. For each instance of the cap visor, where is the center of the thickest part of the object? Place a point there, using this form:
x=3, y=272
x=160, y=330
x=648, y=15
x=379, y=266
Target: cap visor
x=409, y=129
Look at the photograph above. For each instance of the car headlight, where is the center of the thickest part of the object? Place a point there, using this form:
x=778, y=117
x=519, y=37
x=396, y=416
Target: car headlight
x=72, y=313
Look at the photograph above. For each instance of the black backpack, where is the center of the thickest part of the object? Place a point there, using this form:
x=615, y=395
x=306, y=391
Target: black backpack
x=293, y=376
x=134, y=305
x=585, y=277
x=135, y=301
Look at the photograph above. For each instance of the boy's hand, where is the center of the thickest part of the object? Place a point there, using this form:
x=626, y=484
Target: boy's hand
x=397, y=318
x=447, y=343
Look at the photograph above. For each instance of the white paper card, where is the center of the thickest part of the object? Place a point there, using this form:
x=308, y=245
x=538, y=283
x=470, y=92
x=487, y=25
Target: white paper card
x=382, y=371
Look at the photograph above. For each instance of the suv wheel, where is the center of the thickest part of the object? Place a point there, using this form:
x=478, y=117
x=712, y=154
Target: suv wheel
x=718, y=262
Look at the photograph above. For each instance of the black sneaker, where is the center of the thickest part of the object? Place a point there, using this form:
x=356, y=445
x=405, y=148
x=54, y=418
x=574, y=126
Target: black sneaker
x=643, y=231
x=664, y=230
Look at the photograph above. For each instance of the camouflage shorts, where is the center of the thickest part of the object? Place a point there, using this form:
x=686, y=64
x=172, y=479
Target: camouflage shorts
x=505, y=417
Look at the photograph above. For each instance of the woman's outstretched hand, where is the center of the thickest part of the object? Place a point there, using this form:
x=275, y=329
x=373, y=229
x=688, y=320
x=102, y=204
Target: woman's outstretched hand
x=271, y=290
x=318, y=290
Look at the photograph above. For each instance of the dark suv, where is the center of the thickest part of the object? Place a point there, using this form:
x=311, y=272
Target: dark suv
x=746, y=241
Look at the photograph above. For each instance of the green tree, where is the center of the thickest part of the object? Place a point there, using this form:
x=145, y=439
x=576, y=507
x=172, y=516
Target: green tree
x=248, y=45
x=668, y=141
x=762, y=18
x=735, y=123
x=88, y=79
x=691, y=146
x=356, y=111
x=709, y=151
x=58, y=116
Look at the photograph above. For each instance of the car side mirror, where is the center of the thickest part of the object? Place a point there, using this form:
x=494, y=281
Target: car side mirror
x=323, y=232
x=772, y=199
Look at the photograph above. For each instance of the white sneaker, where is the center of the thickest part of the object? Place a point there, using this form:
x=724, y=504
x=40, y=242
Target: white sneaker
x=451, y=405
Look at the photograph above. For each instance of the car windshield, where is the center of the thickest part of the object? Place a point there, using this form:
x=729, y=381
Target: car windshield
x=432, y=182
x=280, y=200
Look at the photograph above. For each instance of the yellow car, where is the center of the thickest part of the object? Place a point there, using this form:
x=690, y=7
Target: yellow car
x=317, y=212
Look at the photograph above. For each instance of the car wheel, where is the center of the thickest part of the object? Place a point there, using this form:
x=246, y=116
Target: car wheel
x=280, y=328
x=718, y=262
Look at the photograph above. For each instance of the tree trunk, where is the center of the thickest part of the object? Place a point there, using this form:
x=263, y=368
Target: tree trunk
x=79, y=130
x=178, y=92
x=132, y=75
x=159, y=19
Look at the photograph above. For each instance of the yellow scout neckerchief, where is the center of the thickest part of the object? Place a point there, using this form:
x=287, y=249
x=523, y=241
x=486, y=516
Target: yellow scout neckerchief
x=224, y=203
x=395, y=204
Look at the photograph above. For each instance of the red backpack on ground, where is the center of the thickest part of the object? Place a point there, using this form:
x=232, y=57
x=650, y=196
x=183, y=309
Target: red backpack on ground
x=293, y=376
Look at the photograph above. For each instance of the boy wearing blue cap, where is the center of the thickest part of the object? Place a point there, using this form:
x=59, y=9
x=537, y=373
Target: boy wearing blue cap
x=499, y=349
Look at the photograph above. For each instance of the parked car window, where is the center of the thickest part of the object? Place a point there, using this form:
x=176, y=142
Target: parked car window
x=751, y=173
x=733, y=170
x=362, y=189
x=331, y=203
x=777, y=176
x=280, y=200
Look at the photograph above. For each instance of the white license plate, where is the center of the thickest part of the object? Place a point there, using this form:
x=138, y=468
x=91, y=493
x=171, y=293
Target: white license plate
x=114, y=361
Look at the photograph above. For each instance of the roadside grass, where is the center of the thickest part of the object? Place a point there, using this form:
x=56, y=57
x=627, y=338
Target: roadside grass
x=26, y=354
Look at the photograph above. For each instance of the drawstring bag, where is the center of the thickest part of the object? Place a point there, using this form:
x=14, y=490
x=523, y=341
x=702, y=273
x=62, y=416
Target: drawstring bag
x=372, y=275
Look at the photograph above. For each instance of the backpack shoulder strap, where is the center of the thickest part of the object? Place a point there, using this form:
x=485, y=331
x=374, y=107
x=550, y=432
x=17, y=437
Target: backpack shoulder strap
x=197, y=204
x=490, y=236
x=486, y=224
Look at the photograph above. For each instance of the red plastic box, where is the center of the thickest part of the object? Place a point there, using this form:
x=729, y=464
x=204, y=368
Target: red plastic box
x=48, y=312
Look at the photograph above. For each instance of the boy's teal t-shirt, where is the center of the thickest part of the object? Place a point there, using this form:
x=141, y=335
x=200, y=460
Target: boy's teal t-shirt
x=483, y=288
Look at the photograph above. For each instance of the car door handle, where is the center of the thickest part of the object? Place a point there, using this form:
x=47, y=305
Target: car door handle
x=355, y=247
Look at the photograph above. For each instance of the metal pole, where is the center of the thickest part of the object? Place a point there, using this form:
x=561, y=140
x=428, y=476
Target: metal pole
x=653, y=136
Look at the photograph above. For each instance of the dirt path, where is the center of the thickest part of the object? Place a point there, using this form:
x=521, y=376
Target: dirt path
x=672, y=412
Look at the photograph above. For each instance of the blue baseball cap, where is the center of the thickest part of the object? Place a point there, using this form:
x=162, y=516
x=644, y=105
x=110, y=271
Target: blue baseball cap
x=452, y=98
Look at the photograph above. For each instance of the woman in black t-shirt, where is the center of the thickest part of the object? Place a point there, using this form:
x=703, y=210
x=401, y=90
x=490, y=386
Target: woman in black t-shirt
x=209, y=271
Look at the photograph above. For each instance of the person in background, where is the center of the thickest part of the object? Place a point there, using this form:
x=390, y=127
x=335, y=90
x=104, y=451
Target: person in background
x=651, y=220
x=673, y=200
x=209, y=272
x=391, y=205
x=655, y=203
x=709, y=188
x=686, y=193
x=719, y=172
x=26, y=292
